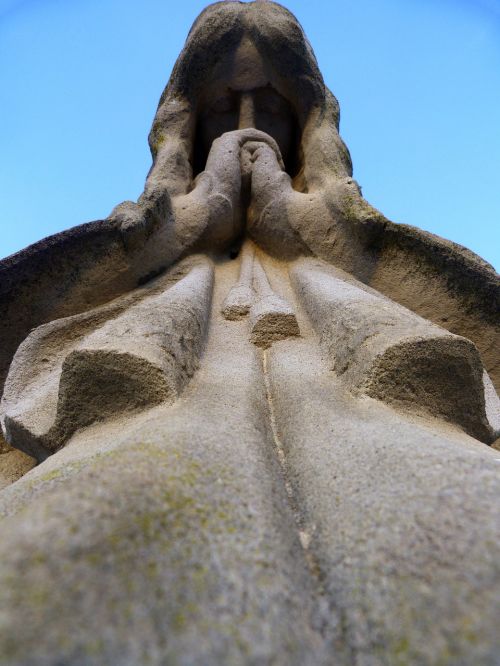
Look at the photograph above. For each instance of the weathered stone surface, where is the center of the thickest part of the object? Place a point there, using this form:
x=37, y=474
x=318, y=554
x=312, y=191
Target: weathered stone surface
x=173, y=543
x=13, y=465
x=4, y=446
x=79, y=370
x=242, y=295
x=200, y=499
x=401, y=519
x=183, y=534
x=238, y=302
x=316, y=208
x=387, y=352
x=492, y=404
x=271, y=317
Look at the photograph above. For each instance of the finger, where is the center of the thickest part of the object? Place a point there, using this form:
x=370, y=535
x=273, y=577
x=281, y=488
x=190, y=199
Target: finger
x=264, y=151
x=203, y=184
x=252, y=146
x=264, y=145
x=252, y=134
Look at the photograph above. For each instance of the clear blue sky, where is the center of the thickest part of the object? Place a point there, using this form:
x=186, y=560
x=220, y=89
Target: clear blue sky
x=418, y=83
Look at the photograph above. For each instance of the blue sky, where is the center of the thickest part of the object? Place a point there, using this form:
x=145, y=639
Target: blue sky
x=418, y=83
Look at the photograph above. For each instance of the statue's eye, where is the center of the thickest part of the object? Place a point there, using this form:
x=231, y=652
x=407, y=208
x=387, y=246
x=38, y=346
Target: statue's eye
x=225, y=104
x=269, y=101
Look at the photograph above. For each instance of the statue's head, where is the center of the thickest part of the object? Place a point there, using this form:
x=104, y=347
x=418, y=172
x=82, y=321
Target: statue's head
x=247, y=65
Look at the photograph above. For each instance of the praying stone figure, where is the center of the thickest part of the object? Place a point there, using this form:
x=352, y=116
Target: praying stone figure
x=263, y=416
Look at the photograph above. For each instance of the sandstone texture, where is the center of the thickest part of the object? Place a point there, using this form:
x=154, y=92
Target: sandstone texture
x=247, y=419
x=136, y=356
x=387, y=352
x=13, y=465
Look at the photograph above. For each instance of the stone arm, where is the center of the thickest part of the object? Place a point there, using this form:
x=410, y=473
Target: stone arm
x=332, y=222
x=78, y=269
x=439, y=280
x=163, y=225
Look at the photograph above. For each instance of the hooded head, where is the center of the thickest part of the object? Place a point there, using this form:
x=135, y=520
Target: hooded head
x=248, y=64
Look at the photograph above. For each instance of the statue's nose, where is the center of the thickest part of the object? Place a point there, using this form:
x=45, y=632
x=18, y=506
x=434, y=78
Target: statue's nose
x=247, y=111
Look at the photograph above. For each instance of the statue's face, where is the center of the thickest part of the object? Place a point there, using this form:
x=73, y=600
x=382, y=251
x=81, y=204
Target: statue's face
x=262, y=108
x=240, y=95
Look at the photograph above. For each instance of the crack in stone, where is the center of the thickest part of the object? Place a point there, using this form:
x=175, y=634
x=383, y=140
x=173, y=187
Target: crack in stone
x=328, y=620
x=304, y=532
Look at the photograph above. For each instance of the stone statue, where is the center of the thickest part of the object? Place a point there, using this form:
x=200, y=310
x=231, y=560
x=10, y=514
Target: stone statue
x=260, y=410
